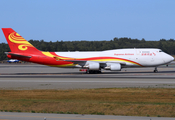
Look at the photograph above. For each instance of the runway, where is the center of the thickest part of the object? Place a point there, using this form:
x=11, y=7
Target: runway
x=33, y=76
x=81, y=83
x=42, y=116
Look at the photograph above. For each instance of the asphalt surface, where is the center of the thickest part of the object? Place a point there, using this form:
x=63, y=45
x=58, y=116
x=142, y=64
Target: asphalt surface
x=32, y=76
x=42, y=116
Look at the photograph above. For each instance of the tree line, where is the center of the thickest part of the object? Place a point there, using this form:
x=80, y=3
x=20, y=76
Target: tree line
x=167, y=46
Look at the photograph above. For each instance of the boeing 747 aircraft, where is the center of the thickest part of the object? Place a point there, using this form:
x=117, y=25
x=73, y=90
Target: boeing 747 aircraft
x=93, y=61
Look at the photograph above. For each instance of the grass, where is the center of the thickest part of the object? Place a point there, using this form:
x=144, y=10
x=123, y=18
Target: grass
x=114, y=101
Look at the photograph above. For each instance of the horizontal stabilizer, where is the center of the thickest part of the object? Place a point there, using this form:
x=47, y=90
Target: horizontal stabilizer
x=17, y=55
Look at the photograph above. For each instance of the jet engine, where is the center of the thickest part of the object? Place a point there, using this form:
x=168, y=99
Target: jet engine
x=92, y=65
x=113, y=66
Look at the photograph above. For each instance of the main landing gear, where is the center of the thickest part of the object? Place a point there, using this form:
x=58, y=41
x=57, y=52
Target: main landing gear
x=155, y=70
x=93, y=71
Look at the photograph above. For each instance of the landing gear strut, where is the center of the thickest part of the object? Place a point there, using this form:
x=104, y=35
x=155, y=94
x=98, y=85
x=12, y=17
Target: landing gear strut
x=155, y=70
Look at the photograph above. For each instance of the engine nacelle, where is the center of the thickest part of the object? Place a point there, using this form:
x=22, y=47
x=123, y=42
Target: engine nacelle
x=92, y=66
x=113, y=66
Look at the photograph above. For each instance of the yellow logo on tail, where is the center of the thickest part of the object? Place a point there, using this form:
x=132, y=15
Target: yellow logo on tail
x=16, y=38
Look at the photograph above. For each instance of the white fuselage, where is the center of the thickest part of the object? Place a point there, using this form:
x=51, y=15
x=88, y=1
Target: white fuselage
x=144, y=57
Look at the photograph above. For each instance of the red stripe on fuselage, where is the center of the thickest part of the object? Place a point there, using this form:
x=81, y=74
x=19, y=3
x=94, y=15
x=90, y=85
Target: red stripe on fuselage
x=98, y=58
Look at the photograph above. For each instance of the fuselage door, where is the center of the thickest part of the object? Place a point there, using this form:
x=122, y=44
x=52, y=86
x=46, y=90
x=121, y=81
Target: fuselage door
x=137, y=52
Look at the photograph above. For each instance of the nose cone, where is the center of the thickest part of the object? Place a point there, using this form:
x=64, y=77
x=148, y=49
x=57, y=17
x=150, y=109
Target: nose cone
x=172, y=58
x=169, y=58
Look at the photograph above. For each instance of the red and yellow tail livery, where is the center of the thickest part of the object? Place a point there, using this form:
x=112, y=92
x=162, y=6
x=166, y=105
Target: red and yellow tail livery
x=17, y=43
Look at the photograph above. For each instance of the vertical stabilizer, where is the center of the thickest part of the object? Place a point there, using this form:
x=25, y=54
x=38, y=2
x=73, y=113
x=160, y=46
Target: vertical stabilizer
x=17, y=43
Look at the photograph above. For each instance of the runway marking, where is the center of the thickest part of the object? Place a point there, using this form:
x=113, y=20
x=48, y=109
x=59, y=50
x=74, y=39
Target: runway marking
x=58, y=117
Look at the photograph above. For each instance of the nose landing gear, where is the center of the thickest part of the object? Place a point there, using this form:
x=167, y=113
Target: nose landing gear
x=155, y=70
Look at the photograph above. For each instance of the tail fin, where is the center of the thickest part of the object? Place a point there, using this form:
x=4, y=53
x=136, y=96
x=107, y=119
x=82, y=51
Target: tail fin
x=17, y=43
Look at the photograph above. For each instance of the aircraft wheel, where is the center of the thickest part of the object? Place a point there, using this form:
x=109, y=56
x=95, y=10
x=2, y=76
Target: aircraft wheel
x=87, y=71
x=155, y=71
x=93, y=71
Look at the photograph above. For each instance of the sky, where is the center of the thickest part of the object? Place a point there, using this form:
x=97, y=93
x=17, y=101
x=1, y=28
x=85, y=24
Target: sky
x=91, y=20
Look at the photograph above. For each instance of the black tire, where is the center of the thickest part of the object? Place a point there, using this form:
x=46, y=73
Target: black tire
x=93, y=71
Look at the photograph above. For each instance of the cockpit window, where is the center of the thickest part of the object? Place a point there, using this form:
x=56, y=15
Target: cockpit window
x=160, y=50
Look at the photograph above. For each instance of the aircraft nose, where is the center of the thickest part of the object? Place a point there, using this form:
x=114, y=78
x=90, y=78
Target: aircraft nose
x=170, y=58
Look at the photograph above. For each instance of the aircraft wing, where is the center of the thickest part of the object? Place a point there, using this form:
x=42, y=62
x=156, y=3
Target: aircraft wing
x=79, y=62
x=84, y=62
